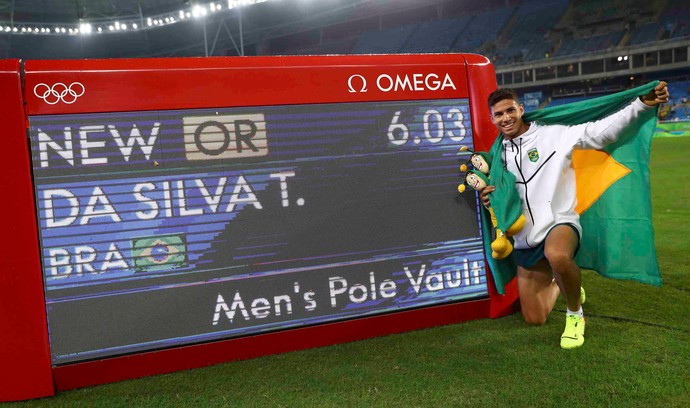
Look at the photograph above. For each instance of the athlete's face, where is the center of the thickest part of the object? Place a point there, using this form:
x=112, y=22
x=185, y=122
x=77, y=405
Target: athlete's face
x=507, y=114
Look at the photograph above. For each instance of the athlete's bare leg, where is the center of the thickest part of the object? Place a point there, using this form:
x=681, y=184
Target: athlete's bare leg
x=538, y=292
x=539, y=285
x=559, y=250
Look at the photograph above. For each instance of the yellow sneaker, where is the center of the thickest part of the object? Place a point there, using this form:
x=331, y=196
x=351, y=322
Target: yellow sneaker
x=574, y=334
x=582, y=295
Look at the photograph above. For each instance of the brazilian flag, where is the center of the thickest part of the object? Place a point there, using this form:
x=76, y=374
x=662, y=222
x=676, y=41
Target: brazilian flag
x=612, y=193
x=159, y=253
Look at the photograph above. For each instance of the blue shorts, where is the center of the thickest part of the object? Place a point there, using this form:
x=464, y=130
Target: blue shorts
x=530, y=256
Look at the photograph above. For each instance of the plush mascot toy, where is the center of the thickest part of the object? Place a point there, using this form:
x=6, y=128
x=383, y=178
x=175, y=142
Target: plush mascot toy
x=478, y=178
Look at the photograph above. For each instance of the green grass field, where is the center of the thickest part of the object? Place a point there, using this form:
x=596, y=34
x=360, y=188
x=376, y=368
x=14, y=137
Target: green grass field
x=637, y=352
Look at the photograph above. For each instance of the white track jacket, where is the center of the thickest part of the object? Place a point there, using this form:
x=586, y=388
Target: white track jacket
x=541, y=161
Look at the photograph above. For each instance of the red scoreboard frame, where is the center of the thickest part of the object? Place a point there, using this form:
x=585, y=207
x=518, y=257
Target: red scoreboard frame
x=167, y=84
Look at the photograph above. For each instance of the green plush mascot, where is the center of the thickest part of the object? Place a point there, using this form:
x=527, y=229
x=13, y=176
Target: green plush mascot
x=478, y=178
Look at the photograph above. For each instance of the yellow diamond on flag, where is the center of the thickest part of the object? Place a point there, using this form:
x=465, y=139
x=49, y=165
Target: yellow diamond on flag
x=595, y=171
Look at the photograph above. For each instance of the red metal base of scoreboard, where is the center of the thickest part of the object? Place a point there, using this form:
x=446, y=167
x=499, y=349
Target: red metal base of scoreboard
x=167, y=361
x=25, y=370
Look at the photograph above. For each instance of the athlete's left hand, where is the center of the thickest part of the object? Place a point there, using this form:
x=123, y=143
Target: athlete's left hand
x=657, y=96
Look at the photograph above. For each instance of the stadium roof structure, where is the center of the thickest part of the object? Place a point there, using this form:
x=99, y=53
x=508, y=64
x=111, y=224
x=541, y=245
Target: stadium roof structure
x=145, y=28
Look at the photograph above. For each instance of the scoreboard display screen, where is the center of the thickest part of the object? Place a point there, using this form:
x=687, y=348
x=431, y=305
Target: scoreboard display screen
x=162, y=228
x=175, y=213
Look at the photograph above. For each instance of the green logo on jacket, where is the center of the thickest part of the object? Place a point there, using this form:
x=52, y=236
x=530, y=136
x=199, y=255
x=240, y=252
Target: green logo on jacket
x=533, y=155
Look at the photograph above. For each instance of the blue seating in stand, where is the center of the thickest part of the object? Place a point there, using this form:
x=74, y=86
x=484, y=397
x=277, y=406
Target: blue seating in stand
x=383, y=41
x=435, y=36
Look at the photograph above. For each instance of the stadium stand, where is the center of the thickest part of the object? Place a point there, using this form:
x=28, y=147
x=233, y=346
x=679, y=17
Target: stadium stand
x=383, y=41
x=532, y=100
x=462, y=34
x=510, y=32
x=644, y=34
x=526, y=38
x=674, y=20
x=575, y=46
x=482, y=28
x=435, y=36
x=332, y=47
x=568, y=99
x=678, y=108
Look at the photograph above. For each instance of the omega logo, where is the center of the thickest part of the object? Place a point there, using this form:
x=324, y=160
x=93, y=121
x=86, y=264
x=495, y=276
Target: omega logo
x=359, y=80
x=408, y=82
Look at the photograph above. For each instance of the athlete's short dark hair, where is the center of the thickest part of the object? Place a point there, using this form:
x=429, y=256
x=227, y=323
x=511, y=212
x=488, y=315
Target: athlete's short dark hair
x=501, y=94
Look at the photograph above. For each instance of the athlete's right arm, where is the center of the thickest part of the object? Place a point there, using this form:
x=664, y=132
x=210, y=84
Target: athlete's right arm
x=603, y=132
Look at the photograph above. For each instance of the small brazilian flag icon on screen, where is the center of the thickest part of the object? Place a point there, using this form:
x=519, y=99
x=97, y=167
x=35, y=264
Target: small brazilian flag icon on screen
x=159, y=253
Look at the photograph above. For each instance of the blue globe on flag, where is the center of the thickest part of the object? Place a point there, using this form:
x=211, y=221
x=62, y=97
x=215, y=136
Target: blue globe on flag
x=160, y=252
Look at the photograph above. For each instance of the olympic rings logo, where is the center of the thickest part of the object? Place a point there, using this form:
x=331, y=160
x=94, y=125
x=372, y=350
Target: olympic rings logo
x=59, y=92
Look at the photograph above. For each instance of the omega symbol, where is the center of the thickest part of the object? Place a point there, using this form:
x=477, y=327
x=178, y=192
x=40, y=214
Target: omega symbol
x=356, y=79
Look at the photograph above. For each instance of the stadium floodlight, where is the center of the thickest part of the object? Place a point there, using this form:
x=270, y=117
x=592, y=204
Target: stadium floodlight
x=198, y=11
x=195, y=11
